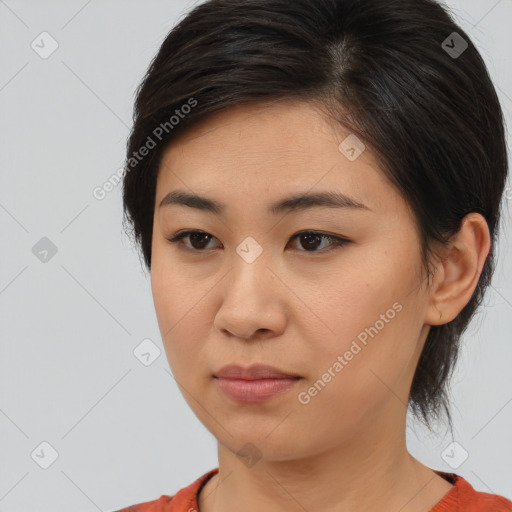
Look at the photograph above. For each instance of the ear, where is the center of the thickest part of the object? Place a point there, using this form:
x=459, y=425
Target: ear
x=458, y=272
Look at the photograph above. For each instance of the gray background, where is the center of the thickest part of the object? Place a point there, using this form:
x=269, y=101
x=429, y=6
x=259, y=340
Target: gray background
x=70, y=325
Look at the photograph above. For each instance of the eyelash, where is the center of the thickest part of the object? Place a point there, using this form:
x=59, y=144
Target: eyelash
x=336, y=240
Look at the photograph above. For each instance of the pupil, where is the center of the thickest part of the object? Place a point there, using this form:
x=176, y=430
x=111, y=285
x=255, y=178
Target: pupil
x=309, y=236
x=204, y=235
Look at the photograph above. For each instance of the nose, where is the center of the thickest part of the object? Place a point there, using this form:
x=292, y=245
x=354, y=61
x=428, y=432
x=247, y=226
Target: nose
x=251, y=302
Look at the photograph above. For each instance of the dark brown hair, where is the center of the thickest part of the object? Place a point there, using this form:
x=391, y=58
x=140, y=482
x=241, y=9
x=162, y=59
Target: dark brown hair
x=392, y=71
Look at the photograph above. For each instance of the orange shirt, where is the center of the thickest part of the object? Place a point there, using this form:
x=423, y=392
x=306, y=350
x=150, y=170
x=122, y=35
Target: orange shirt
x=460, y=498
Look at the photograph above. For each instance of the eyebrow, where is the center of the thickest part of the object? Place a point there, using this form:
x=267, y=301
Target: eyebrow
x=298, y=202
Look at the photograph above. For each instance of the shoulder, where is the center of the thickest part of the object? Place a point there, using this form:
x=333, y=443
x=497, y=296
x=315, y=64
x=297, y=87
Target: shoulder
x=463, y=496
x=159, y=505
x=183, y=501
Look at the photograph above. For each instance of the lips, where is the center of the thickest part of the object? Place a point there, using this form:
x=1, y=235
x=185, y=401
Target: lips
x=254, y=372
x=254, y=384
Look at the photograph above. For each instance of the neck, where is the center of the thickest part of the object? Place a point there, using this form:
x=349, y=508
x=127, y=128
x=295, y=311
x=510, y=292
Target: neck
x=371, y=471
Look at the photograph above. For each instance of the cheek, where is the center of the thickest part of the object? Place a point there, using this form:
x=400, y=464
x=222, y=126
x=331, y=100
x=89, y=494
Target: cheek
x=173, y=311
x=353, y=382
x=353, y=304
x=174, y=294
x=373, y=323
x=180, y=310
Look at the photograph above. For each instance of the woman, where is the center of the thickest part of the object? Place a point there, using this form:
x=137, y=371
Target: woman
x=315, y=188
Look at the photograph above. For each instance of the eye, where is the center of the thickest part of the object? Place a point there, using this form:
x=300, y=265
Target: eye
x=199, y=237
x=309, y=239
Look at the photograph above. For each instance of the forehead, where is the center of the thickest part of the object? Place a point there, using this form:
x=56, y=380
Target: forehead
x=265, y=128
x=266, y=150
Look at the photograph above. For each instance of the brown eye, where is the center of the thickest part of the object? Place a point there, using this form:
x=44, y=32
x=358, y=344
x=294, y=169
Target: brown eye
x=312, y=240
x=309, y=240
x=198, y=239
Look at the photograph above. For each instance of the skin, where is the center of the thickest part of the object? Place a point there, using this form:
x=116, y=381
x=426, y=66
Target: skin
x=298, y=309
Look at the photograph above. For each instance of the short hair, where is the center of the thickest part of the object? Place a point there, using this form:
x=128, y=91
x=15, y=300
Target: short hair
x=393, y=73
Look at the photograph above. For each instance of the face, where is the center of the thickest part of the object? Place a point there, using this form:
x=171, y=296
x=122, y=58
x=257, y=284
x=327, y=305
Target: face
x=257, y=287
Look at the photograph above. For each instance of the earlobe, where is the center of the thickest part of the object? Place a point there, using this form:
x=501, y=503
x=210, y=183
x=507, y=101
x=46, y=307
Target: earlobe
x=458, y=272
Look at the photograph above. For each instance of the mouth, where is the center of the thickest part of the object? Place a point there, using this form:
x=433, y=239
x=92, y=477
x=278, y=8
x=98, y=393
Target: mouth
x=254, y=372
x=254, y=384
